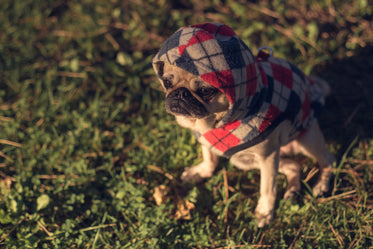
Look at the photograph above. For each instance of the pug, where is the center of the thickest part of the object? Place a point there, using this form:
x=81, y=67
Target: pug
x=255, y=110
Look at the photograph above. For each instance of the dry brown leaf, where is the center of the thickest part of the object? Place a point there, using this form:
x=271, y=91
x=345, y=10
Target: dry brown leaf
x=184, y=208
x=160, y=193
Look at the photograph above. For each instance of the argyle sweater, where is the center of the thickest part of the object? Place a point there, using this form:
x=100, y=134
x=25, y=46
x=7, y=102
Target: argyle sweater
x=263, y=91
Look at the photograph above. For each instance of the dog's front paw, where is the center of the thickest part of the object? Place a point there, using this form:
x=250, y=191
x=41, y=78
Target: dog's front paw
x=189, y=175
x=323, y=184
x=290, y=195
x=292, y=191
x=196, y=173
x=321, y=188
x=264, y=211
x=263, y=219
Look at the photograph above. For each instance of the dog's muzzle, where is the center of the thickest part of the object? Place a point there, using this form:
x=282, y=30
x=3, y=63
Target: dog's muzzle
x=182, y=102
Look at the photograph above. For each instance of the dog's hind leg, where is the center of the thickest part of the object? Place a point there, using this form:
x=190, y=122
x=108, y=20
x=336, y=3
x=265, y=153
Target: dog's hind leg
x=312, y=144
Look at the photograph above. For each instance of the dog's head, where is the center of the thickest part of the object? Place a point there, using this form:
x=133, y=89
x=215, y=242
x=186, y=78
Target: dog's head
x=207, y=69
x=187, y=94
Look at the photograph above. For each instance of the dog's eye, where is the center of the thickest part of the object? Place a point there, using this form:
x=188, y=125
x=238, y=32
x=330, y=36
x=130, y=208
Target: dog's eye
x=167, y=82
x=206, y=92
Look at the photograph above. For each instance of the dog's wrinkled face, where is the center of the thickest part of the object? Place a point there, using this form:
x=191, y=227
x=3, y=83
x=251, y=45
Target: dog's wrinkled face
x=188, y=95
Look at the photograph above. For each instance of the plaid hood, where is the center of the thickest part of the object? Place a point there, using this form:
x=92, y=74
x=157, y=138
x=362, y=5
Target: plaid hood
x=262, y=91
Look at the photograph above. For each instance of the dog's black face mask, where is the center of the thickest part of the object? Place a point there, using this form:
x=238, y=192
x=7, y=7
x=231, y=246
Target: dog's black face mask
x=182, y=102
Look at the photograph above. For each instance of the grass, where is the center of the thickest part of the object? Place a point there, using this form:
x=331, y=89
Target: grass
x=90, y=159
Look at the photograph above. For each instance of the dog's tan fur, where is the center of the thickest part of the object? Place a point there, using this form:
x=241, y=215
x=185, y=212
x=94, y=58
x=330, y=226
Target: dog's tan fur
x=266, y=156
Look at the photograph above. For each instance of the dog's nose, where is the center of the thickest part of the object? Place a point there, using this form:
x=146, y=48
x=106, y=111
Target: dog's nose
x=181, y=93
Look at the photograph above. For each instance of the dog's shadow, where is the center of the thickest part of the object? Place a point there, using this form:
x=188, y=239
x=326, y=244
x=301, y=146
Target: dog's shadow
x=349, y=108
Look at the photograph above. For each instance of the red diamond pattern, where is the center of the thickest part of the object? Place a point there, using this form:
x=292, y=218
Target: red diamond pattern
x=223, y=138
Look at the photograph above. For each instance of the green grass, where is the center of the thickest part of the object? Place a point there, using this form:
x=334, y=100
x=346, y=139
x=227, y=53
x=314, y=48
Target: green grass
x=85, y=141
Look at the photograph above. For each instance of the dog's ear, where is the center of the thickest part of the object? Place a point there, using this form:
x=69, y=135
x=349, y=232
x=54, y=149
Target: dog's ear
x=159, y=68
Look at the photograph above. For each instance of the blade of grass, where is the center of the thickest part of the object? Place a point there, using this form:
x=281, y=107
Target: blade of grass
x=341, y=163
x=7, y=142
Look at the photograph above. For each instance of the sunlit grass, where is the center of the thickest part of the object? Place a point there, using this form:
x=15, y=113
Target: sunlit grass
x=85, y=143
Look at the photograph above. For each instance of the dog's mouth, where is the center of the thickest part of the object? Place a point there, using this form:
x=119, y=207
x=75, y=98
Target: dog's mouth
x=179, y=107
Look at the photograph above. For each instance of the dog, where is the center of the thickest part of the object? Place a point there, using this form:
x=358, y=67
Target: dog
x=253, y=110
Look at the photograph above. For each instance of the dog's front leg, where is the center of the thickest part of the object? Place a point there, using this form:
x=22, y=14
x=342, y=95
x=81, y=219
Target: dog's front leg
x=264, y=211
x=203, y=170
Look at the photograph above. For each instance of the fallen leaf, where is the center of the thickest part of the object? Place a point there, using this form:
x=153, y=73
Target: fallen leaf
x=42, y=201
x=160, y=193
x=184, y=208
